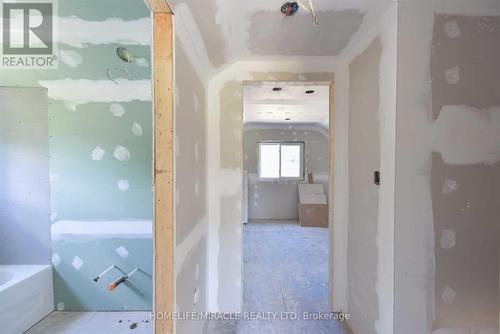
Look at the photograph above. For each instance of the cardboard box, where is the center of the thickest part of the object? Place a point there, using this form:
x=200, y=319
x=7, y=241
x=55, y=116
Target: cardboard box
x=313, y=215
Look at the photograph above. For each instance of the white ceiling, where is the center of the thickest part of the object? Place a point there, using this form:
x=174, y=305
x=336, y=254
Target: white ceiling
x=263, y=105
x=222, y=31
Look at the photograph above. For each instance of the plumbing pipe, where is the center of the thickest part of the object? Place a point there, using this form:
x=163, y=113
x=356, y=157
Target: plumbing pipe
x=105, y=272
x=113, y=285
x=132, y=272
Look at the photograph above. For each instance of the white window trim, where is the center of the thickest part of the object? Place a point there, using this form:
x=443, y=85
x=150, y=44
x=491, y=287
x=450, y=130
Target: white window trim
x=283, y=143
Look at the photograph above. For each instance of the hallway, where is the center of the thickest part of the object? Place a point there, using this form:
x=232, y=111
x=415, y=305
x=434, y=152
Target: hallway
x=285, y=270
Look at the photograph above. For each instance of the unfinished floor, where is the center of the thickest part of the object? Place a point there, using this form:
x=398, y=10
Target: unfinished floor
x=94, y=323
x=285, y=270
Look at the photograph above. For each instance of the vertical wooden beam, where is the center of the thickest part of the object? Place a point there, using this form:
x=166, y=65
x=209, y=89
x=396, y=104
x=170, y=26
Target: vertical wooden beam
x=163, y=178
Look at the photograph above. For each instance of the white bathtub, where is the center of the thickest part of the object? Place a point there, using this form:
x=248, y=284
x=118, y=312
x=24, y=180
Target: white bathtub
x=26, y=296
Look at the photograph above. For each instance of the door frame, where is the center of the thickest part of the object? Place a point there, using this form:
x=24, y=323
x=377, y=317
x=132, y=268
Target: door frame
x=331, y=184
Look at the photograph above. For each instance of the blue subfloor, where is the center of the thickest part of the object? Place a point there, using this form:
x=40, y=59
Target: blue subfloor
x=285, y=269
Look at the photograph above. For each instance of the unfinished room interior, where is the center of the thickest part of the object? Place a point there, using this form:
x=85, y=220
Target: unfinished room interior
x=235, y=167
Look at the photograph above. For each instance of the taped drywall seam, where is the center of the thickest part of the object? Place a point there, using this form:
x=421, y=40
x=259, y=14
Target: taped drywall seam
x=385, y=26
x=80, y=91
x=118, y=31
x=366, y=32
x=278, y=126
x=213, y=201
x=420, y=286
x=189, y=243
x=313, y=63
x=341, y=186
x=189, y=35
x=387, y=122
x=482, y=127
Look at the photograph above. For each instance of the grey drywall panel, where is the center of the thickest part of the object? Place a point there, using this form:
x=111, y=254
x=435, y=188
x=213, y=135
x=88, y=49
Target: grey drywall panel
x=464, y=70
x=447, y=227
x=190, y=191
x=190, y=158
x=24, y=176
x=364, y=159
x=466, y=226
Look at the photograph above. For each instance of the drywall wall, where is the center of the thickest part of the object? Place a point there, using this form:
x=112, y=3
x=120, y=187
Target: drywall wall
x=225, y=166
x=364, y=159
x=374, y=305
x=99, y=144
x=78, y=246
x=466, y=255
x=446, y=259
x=280, y=199
x=235, y=55
x=24, y=176
x=190, y=190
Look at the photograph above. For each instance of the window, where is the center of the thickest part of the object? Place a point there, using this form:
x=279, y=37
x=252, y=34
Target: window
x=281, y=160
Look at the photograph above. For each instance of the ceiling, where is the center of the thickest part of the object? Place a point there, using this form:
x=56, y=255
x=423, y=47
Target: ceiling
x=223, y=31
x=290, y=105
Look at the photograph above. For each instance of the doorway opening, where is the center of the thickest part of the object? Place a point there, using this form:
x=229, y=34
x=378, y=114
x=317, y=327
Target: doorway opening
x=286, y=196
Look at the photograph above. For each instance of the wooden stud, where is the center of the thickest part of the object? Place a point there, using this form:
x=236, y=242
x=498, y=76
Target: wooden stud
x=158, y=6
x=163, y=179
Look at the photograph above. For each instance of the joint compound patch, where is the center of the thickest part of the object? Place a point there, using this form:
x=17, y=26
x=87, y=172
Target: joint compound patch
x=452, y=29
x=117, y=109
x=97, y=153
x=480, y=145
x=56, y=259
x=77, y=263
x=196, y=103
x=142, y=62
x=121, y=153
x=123, y=185
x=453, y=75
x=136, y=129
x=70, y=58
x=177, y=145
x=53, y=216
x=447, y=239
x=449, y=186
x=122, y=251
x=61, y=306
x=448, y=295
x=70, y=105
x=196, y=152
x=197, y=188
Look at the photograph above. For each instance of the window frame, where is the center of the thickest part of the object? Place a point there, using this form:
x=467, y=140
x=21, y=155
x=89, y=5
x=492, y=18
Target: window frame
x=302, y=146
